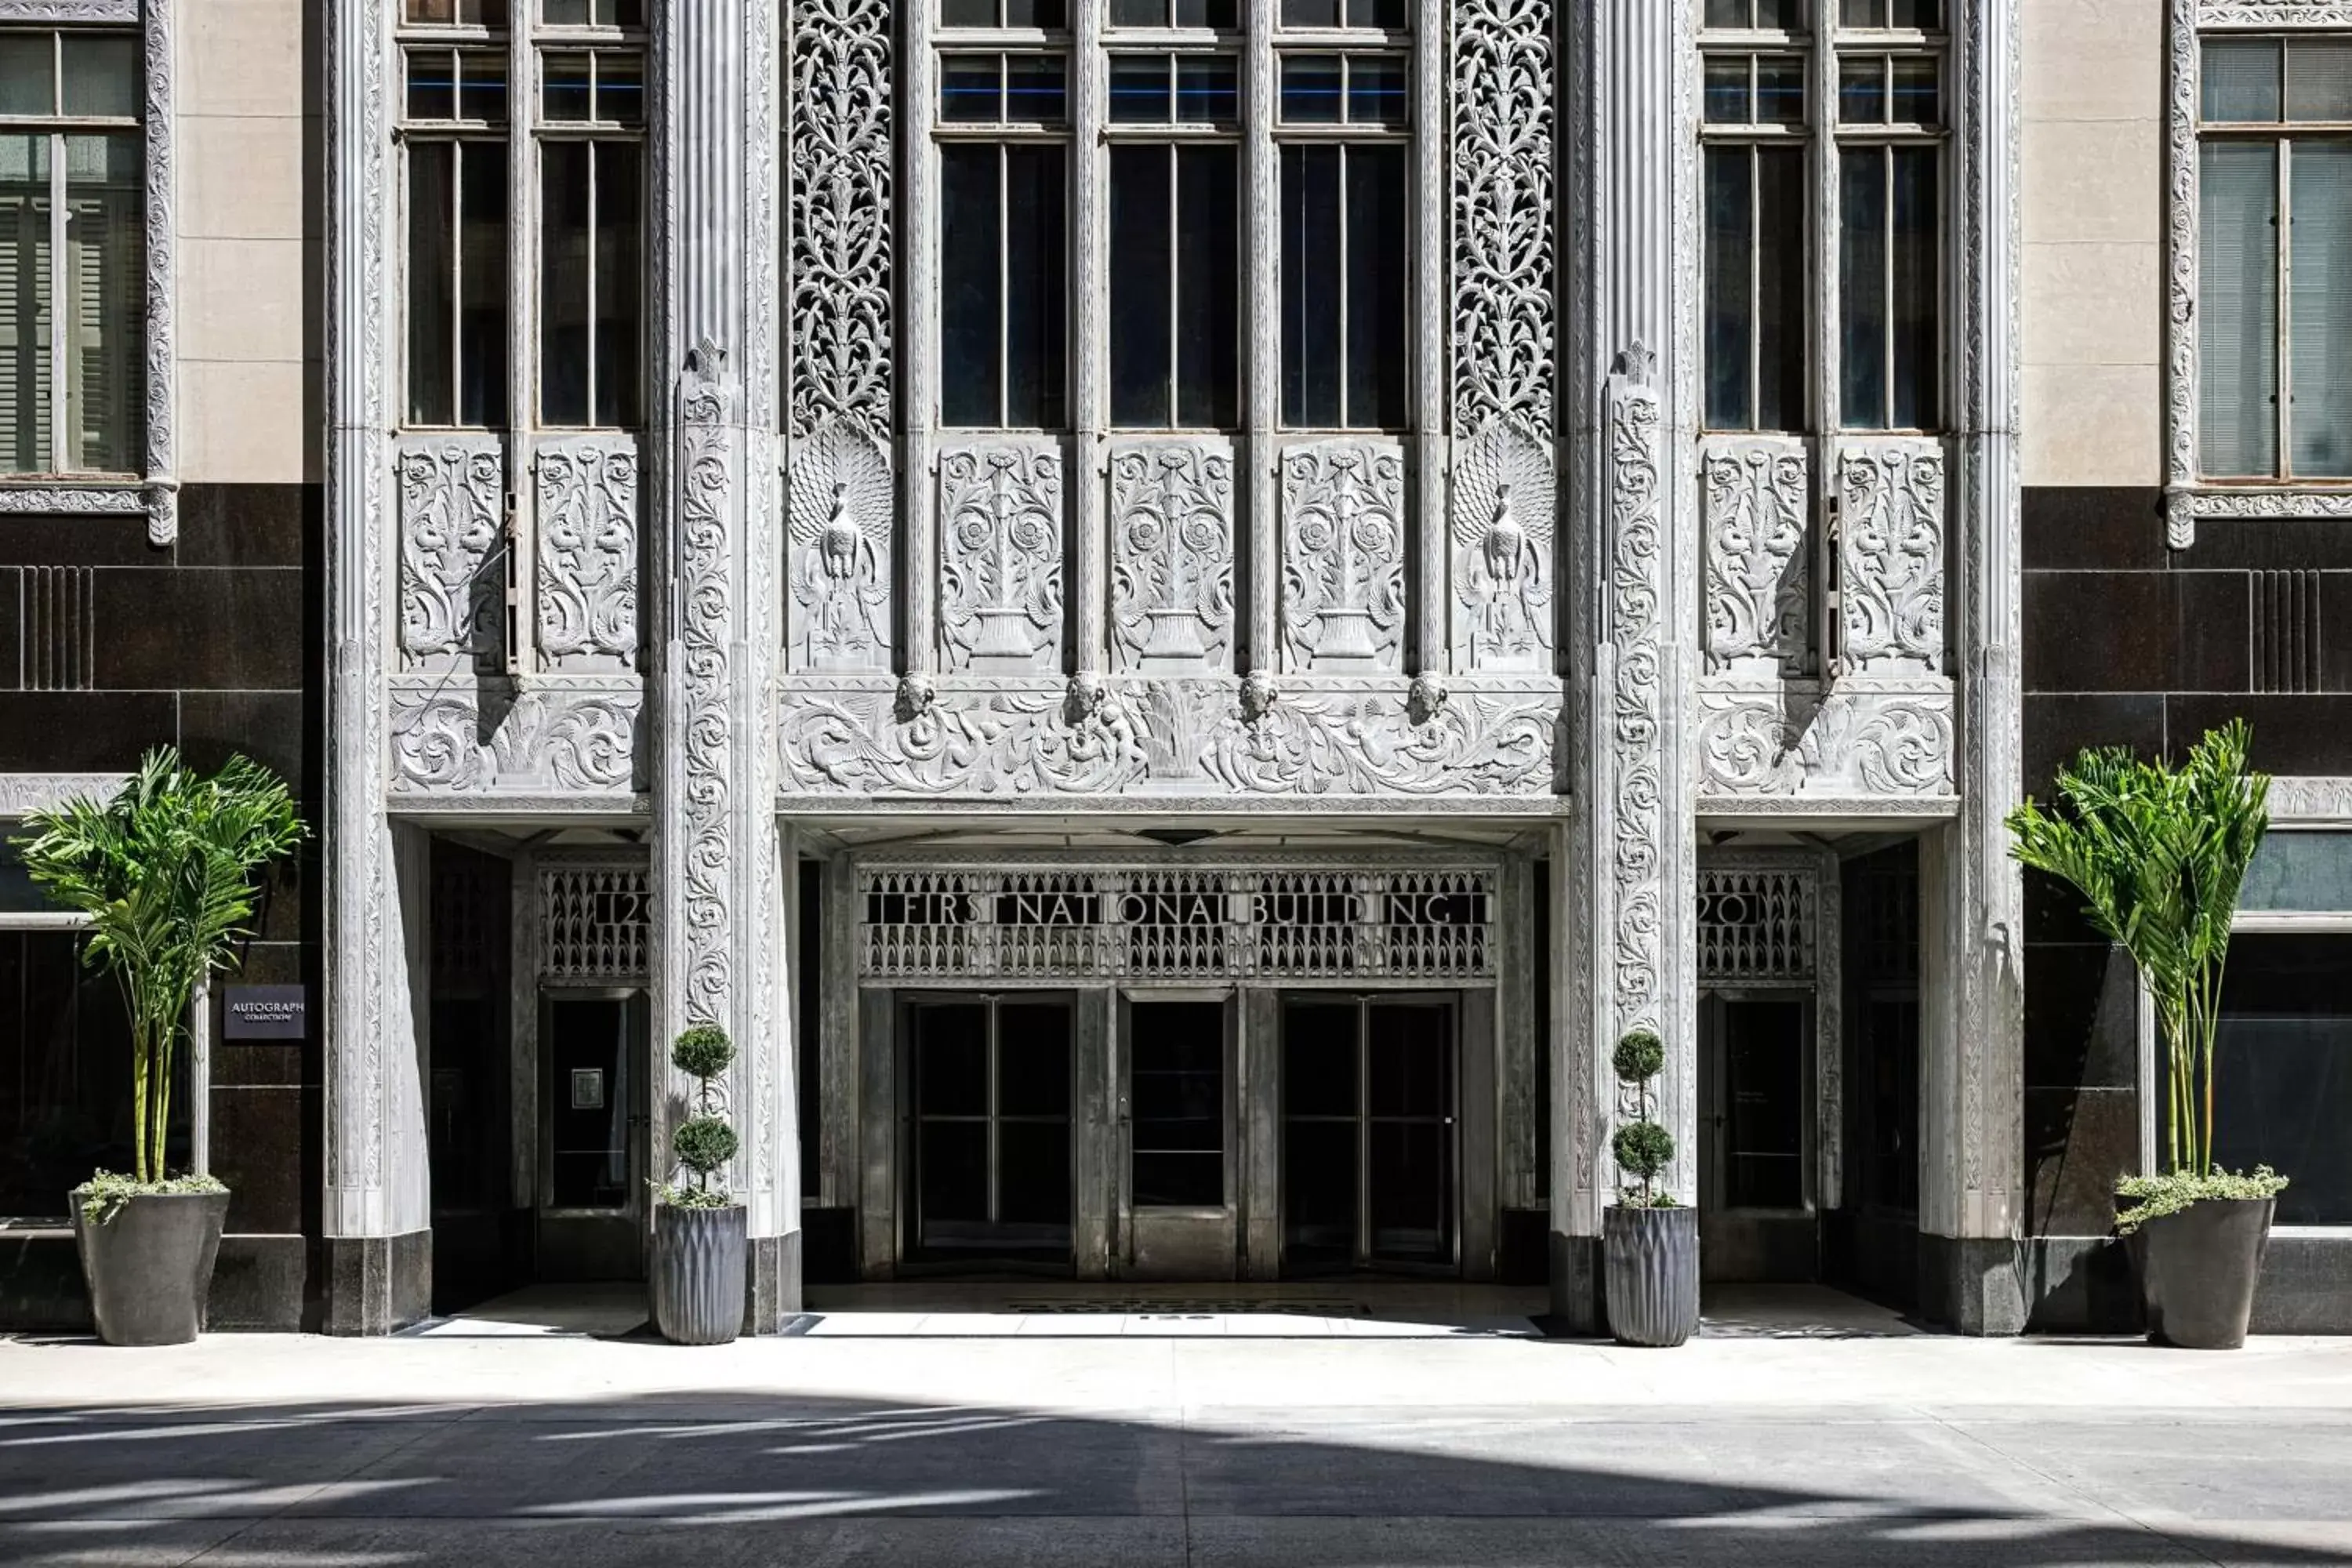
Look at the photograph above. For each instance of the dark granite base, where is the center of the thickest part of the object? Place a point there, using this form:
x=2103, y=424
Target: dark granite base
x=259, y=1282
x=771, y=1280
x=1969, y=1285
x=377, y=1284
x=1580, y=1301
x=2083, y=1285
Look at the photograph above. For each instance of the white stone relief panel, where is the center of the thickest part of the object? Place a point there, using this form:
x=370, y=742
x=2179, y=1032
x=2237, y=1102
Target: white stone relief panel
x=1504, y=504
x=588, y=530
x=1343, y=557
x=1503, y=166
x=1857, y=740
x=1171, y=558
x=843, y=501
x=459, y=740
x=1891, y=526
x=1755, y=500
x=452, y=531
x=1001, y=558
x=1194, y=738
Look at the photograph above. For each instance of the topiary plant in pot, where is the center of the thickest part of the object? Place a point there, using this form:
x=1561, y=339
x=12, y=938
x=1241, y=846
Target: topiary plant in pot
x=2159, y=853
x=698, y=1229
x=1649, y=1242
x=164, y=874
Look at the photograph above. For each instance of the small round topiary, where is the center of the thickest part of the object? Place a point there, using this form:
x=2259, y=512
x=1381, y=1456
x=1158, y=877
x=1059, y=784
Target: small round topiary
x=702, y=1051
x=703, y=1144
x=1640, y=1056
x=1644, y=1148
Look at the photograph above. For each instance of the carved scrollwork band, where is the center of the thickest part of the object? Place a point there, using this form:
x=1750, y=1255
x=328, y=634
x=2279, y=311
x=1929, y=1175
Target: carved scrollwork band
x=2275, y=14
x=457, y=738
x=588, y=551
x=452, y=526
x=1855, y=739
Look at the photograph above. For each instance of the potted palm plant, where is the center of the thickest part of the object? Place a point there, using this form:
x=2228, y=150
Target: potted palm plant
x=164, y=871
x=1649, y=1242
x=698, y=1229
x=2158, y=854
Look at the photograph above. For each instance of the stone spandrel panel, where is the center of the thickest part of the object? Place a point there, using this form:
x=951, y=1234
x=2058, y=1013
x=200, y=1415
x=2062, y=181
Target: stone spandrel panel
x=1505, y=504
x=461, y=743
x=1172, y=557
x=1856, y=743
x=585, y=586
x=1000, y=569
x=1890, y=534
x=1756, y=526
x=1343, y=543
x=451, y=494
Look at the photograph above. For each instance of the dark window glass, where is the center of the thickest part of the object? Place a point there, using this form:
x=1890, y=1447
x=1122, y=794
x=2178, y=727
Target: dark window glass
x=967, y=13
x=1344, y=213
x=1208, y=90
x=1311, y=306
x=591, y=1046
x=1377, y=90
x=484, y=202
x=1208, y=320
x=432, y=282
x=566, y=303
x=2283, y=1070
x=1177, y=1099
x=1913, y=378
x=1036, y=90
x=1035, y=13
x=1138, y=89
x=1173, y=313
x=567, y=92
x=1862, y=286
x=457, y=204
x=65, y=1074
x=1782, y=279
x=971, y=273
x=1033, y=1058
x=1379, y=271
x=482, y=87
x=1916, y=100
x=595, y=12
x=971, y=87
x=1141, y=286
x=621, y=88
x=1725, y=95
x=1311, y=13
x=1311, y=89
x=1726, y=14
x=1780, y=90
x=463, y=12
x=1731, y=215
x=431, y=84
x=1223, y=15
x=1036, y=308
x=1139, y=13
x=1921, y=15
x=1862, y=90
x=1763, y=1110
x=620, y=282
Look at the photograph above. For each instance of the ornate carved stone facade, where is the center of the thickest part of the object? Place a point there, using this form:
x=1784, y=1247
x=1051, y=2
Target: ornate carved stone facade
x=1343, y=538
x=588, y=549
x=1756, y=505
x=1001, y=558
x=1172, y=572
x=452, y=524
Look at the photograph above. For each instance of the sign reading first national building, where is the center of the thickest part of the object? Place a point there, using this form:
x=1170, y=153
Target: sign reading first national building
x=264, y=1013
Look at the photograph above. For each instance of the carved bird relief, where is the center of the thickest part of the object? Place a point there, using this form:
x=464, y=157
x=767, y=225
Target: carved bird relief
x=1503, y=493
x=842, y=506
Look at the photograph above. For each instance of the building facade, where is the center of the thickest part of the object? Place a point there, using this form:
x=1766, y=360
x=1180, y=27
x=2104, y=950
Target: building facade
x=1177, y=612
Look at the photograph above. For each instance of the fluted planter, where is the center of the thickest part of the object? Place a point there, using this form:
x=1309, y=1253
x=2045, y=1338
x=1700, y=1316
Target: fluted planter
x=2198, y=1269
x=1650, y=1264
x=150, y=1269
x=697, y=1276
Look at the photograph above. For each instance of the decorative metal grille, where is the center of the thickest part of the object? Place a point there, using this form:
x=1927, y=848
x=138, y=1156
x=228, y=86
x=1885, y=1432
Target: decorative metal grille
x=593, y=923
x=1755, y=923
x=1196, y=922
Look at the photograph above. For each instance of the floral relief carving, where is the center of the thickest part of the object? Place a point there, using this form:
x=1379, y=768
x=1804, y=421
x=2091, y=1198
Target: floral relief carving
x=1343, y=557
x=1637, y=698
x=1001, y=558
x=1503, y=173
x=1850, y=740
x=452, y=521
x=450, y=740
x=1504, y=505
x=842, y=504
x=1754, y=508
x=1172, y=583
x=1891, y=556
x=839, y=161
x=587, y=587
x=705, y=475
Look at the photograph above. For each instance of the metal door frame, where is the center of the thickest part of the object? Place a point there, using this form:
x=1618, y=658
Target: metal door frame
x=1228, y=998
x=632, y=1212
x=1713, y=1003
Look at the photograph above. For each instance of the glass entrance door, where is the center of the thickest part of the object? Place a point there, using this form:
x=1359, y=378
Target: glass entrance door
x=1368, y=1158
x=591, y=1132
x=989, y=1081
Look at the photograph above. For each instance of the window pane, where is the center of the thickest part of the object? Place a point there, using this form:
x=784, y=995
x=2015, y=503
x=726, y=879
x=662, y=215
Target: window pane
x=1782, y=281
x=28, y=73
x=1379, y=268
x=1310, y=13
x=1729, y=308
x=1208, y=318
x=2283, y=1070
x=482, y=87
x=101, y=75
x=2320, y=401
x=1310, y=305
x=1923, y=14
x=1777, y=14
x=2241, y=80
x=1208, y=91
x=1916, y=100
x=1138, y=89
x=1727, y=89
x=1139, y=13
x=25, y=304
x=1378, y=92
x=1035, y=88
x=1036, y=310
x=566, y=237
x=1034, y=14
x=1726, y=13
x=967, y=13
x=970, y=273
x=621, y=87
x=1781, y=90
x=1862, y=14
x=106, y=283
x=971, y=87
x=620, y=288
x=1386, y=14
x=483, y=202
x=1862, y=90
x=1916, y=273
x=431, y=85
x=566, y=96
x=1220, y=14
x=2319, y=79
x=2236, y=309
x=1310, y=89
x=1862, y=286
x=432, y=282
x=1141, y=287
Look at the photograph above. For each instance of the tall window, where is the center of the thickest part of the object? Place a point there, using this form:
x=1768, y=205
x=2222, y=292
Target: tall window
x=1003, y=223
x=1344, y=95
x=591, y=229
x=73, y=276
x=2275, y=258
x=1877, y=118
x=454, y=115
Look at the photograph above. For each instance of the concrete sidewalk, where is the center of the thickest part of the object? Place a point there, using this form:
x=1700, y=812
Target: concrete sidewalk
x=1014, y=1449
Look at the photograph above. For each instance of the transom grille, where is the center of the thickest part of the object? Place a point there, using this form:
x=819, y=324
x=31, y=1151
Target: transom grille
x=1755, y=923
x=593, y=924
x=1190, y=923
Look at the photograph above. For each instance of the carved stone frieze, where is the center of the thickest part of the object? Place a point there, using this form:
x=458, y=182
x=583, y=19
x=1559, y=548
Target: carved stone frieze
x=2270, y=14
x=1171, y=558
x=452, y=521
x=21, y=794
x=842, y=500
x=1343, y=537
x=2311, y=798
x=1504, y=504
x=1754, y=509
x=1891, y=557
x=1001, y=558
x=1114, y=736
x=1503, y=167
x=454, y=739
x=1854, y=739
x=838, y=168
x=1636, y=730
x=587, y=581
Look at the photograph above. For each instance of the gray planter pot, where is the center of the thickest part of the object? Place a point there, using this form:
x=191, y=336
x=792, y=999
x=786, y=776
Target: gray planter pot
x=1650, y=1262
x=150, y=1267
x=2198, y=1270
x=698, y=1273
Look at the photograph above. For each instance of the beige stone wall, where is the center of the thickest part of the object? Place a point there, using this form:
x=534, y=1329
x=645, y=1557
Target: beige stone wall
x=2093, y=84
x=248, y=269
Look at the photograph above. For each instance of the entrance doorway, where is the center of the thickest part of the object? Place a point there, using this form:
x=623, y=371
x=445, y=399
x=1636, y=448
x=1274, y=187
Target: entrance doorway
x=988, y=1165
x=592, y=1132
x=1369, y=1170
x=1757, y=1136
x=1176, y=1122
